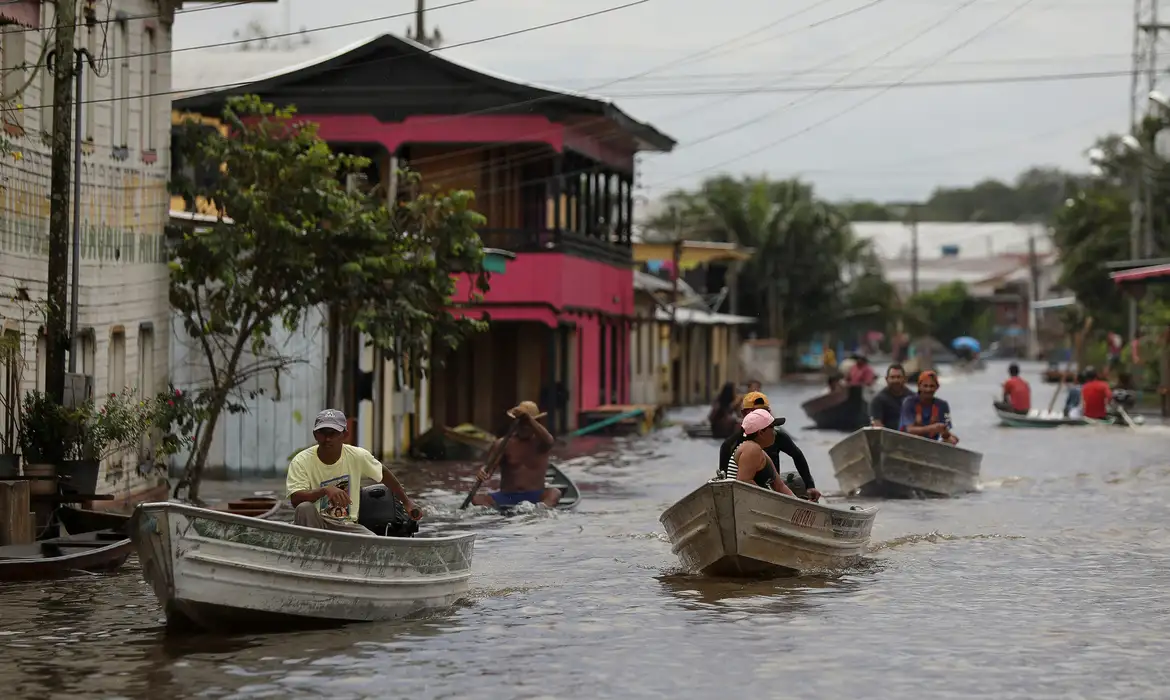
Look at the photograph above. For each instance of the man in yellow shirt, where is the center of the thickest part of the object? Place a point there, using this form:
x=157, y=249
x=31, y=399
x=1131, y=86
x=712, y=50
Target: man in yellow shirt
x=324, y=482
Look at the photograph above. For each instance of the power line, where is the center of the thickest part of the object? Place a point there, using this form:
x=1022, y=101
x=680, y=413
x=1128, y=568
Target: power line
x=691, y=77
x=761, y=117
x=814, y=25
x=684, y=59
x=994, y=80
x=157, y=15
x=325, y=28
x=387, y=59
x=539, y=99
x=855, y=106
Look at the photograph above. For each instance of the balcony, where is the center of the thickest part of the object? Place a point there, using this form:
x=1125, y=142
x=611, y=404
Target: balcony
x=566, y=242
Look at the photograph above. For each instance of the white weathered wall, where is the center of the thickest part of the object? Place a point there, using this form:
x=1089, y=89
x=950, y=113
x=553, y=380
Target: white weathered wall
x=278, y=421
x=123, y=280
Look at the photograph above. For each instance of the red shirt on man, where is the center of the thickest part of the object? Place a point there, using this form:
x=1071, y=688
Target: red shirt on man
x=861, y=375
x=1095, y=397
x=1018, y=393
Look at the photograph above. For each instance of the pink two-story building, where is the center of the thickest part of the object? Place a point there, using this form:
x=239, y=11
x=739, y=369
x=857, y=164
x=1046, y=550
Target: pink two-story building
x=553, y=172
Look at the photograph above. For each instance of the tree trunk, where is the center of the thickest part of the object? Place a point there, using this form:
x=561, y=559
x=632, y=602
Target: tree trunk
x=194, y=474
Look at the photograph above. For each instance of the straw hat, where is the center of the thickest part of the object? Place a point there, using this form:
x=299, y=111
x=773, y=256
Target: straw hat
x=528, y=407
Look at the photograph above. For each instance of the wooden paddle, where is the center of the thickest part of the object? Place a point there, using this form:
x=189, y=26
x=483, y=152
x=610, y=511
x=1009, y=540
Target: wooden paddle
x=491, y=462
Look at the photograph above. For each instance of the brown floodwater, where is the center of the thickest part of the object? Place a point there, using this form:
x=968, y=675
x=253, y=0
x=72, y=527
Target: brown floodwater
x=1053, y=582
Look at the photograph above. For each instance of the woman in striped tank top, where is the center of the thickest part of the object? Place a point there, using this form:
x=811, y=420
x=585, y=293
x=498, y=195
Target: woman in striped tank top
x=749, y=462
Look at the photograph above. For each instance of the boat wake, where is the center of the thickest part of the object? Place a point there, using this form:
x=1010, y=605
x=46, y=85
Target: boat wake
x=935, y=538
x=1001, y=482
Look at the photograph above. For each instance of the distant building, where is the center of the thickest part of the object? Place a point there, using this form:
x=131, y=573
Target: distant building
x=990, y=259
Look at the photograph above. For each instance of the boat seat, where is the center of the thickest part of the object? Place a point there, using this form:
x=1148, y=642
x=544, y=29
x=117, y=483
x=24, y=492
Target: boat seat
x=83, y=543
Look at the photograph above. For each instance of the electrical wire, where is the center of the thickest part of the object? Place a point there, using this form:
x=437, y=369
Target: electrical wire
x=157, y=15
x=851, y=108
x=389, y=59
x=723, y=77
x=813, y=93
x=852, y=87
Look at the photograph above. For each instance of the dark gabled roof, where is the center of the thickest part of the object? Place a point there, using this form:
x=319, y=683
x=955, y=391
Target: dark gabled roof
x=523, y=96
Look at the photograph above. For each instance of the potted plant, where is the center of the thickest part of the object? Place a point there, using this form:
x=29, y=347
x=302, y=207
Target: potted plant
x=46, y=431
x=12, y=360
x=115, y=428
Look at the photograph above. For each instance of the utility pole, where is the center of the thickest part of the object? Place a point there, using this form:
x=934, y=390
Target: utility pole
x=1034, y=294
x=1147, y=71
x=913, y=249
x=420, y=31
x=58, y=274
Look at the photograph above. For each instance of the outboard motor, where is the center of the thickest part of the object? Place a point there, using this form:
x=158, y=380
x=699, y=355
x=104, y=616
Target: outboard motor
x=382, y=514
x=1124, y=398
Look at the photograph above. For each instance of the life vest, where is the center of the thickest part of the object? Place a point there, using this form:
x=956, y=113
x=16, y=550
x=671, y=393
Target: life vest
x=918, y=413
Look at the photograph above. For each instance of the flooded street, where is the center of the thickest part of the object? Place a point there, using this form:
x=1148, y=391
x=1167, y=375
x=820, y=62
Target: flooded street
x=1051, y=583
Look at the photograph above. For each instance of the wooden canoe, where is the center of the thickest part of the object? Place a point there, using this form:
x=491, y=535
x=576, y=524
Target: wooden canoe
x=59, y=557
x=698, y=430
x=554, y=478
x=215, y=570
x=1036, y=419
x=843, y=410
x=887, y=463
x=733, y=528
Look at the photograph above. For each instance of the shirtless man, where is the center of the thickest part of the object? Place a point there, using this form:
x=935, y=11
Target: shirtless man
x=524, y=464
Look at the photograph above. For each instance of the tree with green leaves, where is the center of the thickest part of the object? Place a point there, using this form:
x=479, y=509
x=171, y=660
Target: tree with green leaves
x=290, y=237
x=948, y=312
x=806, y=253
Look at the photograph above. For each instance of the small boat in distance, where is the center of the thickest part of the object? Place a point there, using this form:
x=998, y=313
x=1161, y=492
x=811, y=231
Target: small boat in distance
x=99, y=551
x=698, y=430
x=219, y=571
x=885, y=463
x=842, y=409
x=728, y=527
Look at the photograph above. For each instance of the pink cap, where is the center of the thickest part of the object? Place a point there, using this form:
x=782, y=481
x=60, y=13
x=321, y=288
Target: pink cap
x=756, y=421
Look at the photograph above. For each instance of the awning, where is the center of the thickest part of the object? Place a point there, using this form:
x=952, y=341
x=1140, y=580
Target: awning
x=701, y=317
x=693, y=253
x=1142, y=274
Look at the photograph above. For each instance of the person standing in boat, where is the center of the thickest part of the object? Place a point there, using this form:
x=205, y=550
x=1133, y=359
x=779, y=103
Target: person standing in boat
x=750, y=461
x=782, y=442
x=324, y=482
x=524, y=463
x=1095, y=395
x=722, y=417
x=1017, y=395
x=885, y=411
x=926, y=415
x=861, y=373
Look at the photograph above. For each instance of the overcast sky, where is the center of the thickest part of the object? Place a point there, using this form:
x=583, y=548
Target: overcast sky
x=897, y=144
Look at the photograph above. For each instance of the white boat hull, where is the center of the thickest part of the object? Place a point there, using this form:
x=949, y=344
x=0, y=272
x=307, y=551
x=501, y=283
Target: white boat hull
x=883, y=462
x=732, y=528
x=220, y=570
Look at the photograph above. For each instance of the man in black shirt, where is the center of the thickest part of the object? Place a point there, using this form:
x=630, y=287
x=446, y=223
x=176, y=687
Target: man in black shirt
x=885, y=411
x=783, y=443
